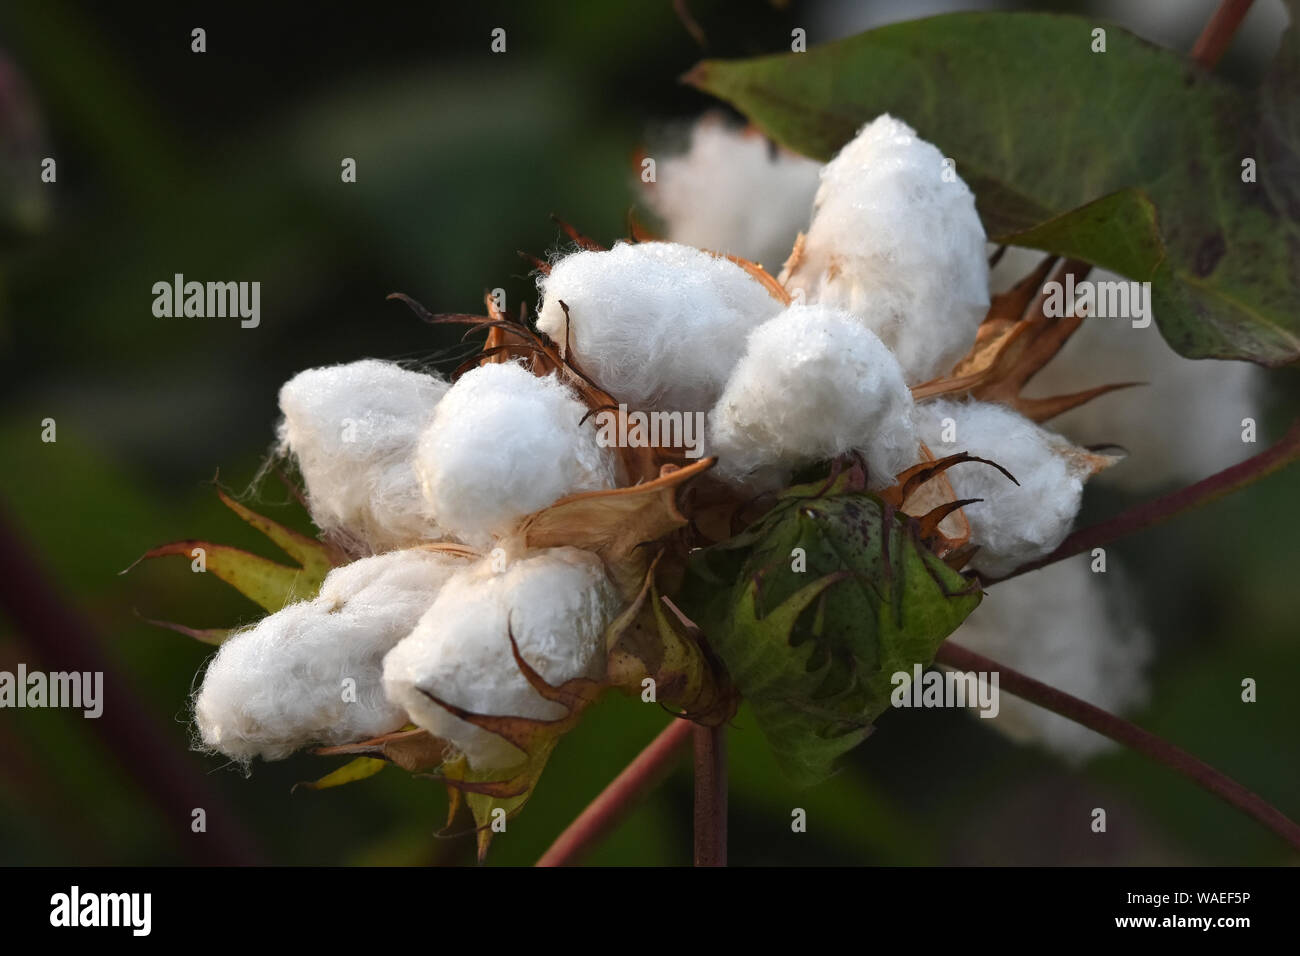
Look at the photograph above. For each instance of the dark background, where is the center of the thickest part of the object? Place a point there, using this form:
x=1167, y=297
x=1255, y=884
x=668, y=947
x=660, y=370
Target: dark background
x=225, y=166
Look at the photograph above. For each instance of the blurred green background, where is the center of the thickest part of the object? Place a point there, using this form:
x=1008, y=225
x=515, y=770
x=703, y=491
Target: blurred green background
x=226, y=165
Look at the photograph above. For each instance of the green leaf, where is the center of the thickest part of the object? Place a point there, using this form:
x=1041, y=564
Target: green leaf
x=312, y=555
x=352, y=771
x=270, y=585
x=267, y=583
x=834, y=593
x=1041, y=127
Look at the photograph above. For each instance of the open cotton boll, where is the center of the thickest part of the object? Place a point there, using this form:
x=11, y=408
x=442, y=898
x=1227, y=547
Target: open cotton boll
x=352, y=429
x=656, y=324
x=1184, y=424
x=813, y=384
x=731, y=192
x=1014, y=523
x=504, y=443
x=310, y=673
x=895, y=239
x=1072, y=629
x=557, y=603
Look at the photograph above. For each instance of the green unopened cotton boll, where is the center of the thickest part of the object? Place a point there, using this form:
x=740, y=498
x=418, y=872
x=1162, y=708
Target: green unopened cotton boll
x=310, y=673
x=656, y=324
x=732, y=192
x=1072, y=629
x=504, y=443
x=1012, y=523
x=896, y=240
x=813, y=384
x=352, y=429
x=557, y=603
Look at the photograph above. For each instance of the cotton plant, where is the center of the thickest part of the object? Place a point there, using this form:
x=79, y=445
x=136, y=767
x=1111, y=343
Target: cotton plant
x=490, y=563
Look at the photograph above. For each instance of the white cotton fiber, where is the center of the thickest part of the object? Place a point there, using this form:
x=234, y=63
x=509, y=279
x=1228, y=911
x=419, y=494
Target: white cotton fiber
x=557, y=603
x=656, y=324
x=1180, y=427
x=813, y=383
x=895, y=239
x=732, y=192
x=284, y=684
x=504, y=443
x=352, y=429
x=1013, y=523
x=1071, y=629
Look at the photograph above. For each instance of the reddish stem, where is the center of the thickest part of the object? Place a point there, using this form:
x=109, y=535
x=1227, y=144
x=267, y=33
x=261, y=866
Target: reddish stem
x=710, y=796
x=1218, y=33
x=615, y=802
x=1149, y=513
x=1117, y=729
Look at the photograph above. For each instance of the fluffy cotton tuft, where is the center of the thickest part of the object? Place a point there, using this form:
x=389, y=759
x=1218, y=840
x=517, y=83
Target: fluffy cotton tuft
x=557, y=604
x=813, y=384
x=279, y=686
x=895, y=242
x=352, y=429
x=731, y=192
x=504, y=443
x=1182, y=425
x=656, y=324
x=1072, y=629
x=1013, y=523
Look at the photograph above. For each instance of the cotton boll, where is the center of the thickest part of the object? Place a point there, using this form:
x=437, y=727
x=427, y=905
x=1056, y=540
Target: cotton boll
x=813, y=384
x=1072, y=629
x=730, y=192
x=280, y=685
x=1013, y=523
x=656, y=324
x=900, y=244
x=1180, y=427
x=353, y=429
x=504, y=443
x=557, y=603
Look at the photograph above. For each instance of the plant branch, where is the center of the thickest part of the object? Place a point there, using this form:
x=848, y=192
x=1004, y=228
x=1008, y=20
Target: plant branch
x=1219, y=31
x=615, y=802
x=1118, y=729
x=1149, y=513
x=710, y=796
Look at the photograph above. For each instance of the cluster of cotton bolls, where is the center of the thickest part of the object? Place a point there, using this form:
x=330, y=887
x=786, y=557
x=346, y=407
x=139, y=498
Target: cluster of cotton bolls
x=894, y=242
x=426, y=482
x=397, y=464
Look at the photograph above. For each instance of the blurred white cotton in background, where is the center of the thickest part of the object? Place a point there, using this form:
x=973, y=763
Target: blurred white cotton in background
x=1072, y=629
x=733, y=192
x=1183, y=425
